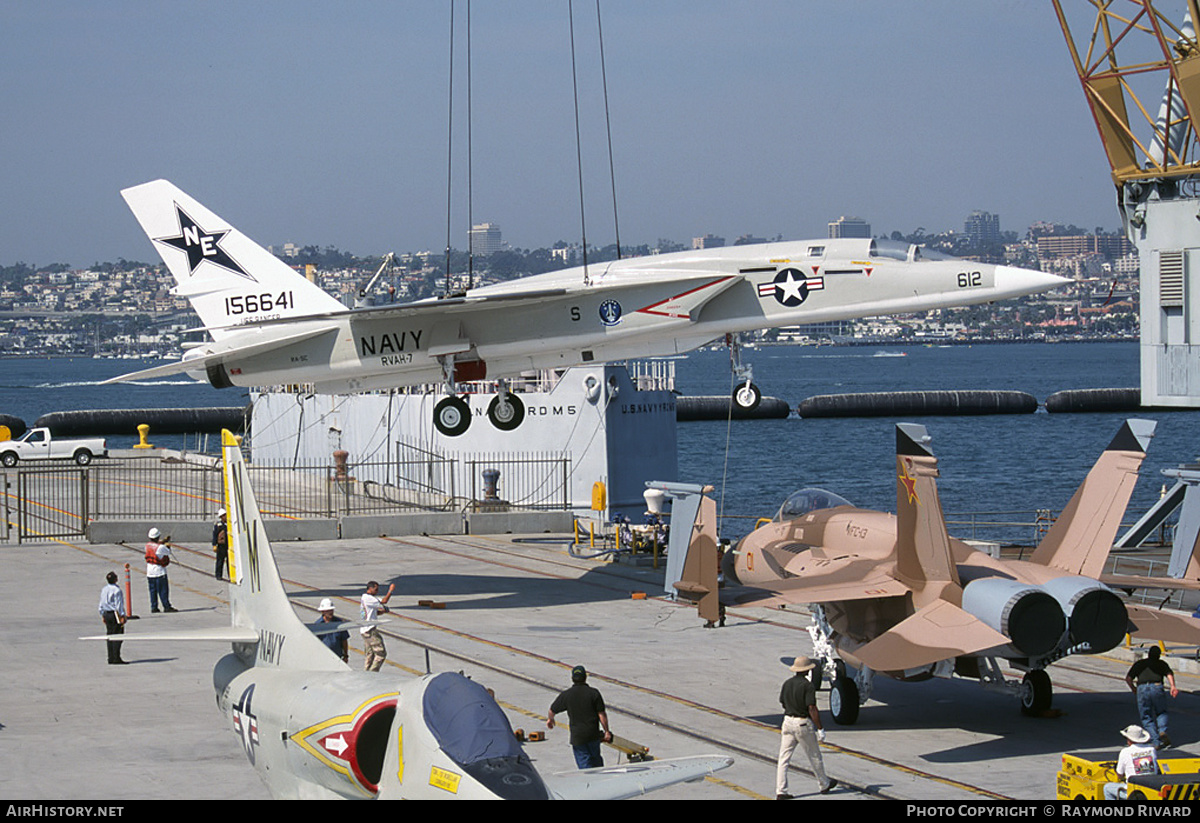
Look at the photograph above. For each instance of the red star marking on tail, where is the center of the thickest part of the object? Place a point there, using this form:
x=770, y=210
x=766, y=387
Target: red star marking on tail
x=910, y=482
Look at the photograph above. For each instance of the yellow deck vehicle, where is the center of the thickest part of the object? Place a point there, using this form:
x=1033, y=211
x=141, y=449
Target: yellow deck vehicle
x=1082, y=777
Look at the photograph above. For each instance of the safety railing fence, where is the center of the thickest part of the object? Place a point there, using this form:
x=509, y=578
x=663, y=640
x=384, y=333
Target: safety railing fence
x=528, y=482
x=59, y=500
x=49, y=504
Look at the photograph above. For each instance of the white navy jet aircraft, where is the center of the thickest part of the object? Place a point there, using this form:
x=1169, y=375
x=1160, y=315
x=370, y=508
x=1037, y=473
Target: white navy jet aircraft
x=315, y=729
x=269, y=325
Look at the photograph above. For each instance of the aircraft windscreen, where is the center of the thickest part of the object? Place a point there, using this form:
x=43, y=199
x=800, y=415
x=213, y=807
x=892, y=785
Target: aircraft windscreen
x=804, y=501
x=890, y=248
x=474, y=732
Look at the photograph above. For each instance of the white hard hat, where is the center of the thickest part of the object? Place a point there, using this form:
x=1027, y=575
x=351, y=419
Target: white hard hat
x=326, y=605
x=220, y=512
x=154, y=534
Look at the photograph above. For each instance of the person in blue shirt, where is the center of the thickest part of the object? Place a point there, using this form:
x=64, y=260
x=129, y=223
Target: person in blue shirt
x=337, y=641
x=112, y=612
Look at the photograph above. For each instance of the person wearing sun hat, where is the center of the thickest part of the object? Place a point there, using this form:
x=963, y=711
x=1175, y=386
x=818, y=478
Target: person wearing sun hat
x=801, y=727
x=338, y=640
x=1138, y=757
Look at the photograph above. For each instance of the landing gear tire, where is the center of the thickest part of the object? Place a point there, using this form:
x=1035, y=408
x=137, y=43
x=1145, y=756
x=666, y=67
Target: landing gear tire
x=747, y=397
x=843, y=701
x=1036, y=693
x=452, y=416
x=507, y=413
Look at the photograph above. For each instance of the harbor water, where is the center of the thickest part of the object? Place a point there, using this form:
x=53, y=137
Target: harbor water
x=995, y=463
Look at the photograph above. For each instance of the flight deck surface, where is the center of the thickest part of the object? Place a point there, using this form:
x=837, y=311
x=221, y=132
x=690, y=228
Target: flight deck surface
x=519, y=613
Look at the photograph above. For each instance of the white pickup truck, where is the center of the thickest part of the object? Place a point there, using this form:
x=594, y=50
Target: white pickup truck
x=39, y=444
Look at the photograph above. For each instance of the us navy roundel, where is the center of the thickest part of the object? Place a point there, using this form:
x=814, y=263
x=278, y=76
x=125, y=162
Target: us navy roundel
x=610, y=312
x=791, y=288
x=245, y=723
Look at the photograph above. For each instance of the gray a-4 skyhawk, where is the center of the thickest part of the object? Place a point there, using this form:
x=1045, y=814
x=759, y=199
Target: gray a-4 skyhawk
x=269, y=325
x=313, y=728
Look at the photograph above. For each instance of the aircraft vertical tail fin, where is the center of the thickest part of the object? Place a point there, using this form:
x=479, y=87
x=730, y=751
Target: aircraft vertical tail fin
x=700, y=581
x=693, y=561
x=228, y=278
x=1079, y=541
x=257, y=599
x=923, y=558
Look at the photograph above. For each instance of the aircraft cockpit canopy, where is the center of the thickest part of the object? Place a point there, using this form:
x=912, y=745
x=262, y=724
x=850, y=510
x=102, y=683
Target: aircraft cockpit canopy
x=804, y=501
x=474, y=732
x=905, y=252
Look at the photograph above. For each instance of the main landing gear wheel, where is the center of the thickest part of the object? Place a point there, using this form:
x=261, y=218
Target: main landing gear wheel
x=506, y=411
x=747, y=396
x=452, y=416
x=843, y=701
x=1036, y=693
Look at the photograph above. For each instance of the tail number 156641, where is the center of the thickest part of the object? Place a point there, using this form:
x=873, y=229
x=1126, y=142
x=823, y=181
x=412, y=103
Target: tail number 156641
x=255, y=303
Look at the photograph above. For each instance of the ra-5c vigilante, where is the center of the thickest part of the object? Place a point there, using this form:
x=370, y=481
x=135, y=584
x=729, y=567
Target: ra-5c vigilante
x=896, y=595
x=313, y=728
x=269, y=325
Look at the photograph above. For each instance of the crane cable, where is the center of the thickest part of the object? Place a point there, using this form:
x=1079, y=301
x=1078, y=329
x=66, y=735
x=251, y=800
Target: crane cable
x=612, y=169
x=449, y=148
x=578, y=143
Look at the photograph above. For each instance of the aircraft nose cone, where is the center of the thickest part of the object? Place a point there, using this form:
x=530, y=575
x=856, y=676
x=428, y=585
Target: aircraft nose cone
x=1013, y=281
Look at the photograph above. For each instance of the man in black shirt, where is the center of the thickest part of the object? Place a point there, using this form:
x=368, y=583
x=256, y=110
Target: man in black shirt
x=587, y=714
x=1145, y=679
x=220, y=544
x=801, y=727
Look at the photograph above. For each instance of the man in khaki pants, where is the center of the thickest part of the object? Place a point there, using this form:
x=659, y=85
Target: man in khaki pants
x=801, y=727
x=372, y=605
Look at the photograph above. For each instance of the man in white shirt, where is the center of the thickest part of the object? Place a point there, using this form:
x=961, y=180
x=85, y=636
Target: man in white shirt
x=372, y=606
x=1138, y=757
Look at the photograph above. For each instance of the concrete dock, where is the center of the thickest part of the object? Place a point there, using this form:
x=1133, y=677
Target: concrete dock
x=519, y=613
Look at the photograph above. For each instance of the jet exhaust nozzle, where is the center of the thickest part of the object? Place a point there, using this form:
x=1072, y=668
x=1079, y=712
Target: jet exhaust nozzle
x=1096, y=616
x=1028, y=615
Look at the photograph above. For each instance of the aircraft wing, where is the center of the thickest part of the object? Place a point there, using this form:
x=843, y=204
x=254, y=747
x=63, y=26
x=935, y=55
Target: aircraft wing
x=800, y=591
x=231, y=350
x=1156, y=624
x=633, y=779
x=1129, y=582
x=690, y=291
x=224, y=634
x=935, y=632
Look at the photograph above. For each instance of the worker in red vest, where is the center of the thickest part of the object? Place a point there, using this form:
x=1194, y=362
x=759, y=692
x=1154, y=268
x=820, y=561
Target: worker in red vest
x=158, y=557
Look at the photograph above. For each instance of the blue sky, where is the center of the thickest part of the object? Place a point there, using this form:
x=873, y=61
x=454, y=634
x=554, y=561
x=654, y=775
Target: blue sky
x=325, y=123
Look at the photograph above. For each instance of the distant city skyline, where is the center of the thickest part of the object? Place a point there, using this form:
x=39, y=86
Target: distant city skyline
x=327, y=125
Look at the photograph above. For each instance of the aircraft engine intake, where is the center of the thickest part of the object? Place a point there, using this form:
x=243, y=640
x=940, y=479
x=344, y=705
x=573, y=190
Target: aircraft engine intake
x=218, y=376
x=1095, y=615
x=1028, y=615
x=205, y=374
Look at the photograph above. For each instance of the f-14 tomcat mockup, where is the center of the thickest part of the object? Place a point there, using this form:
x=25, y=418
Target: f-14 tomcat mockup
x=269, y=325
x=314, y=728
x=895, y=594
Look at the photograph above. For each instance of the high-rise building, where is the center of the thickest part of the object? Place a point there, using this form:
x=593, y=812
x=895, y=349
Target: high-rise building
x=708, y=241
x=849, y=227
x=485, y=239
x=982, y=227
